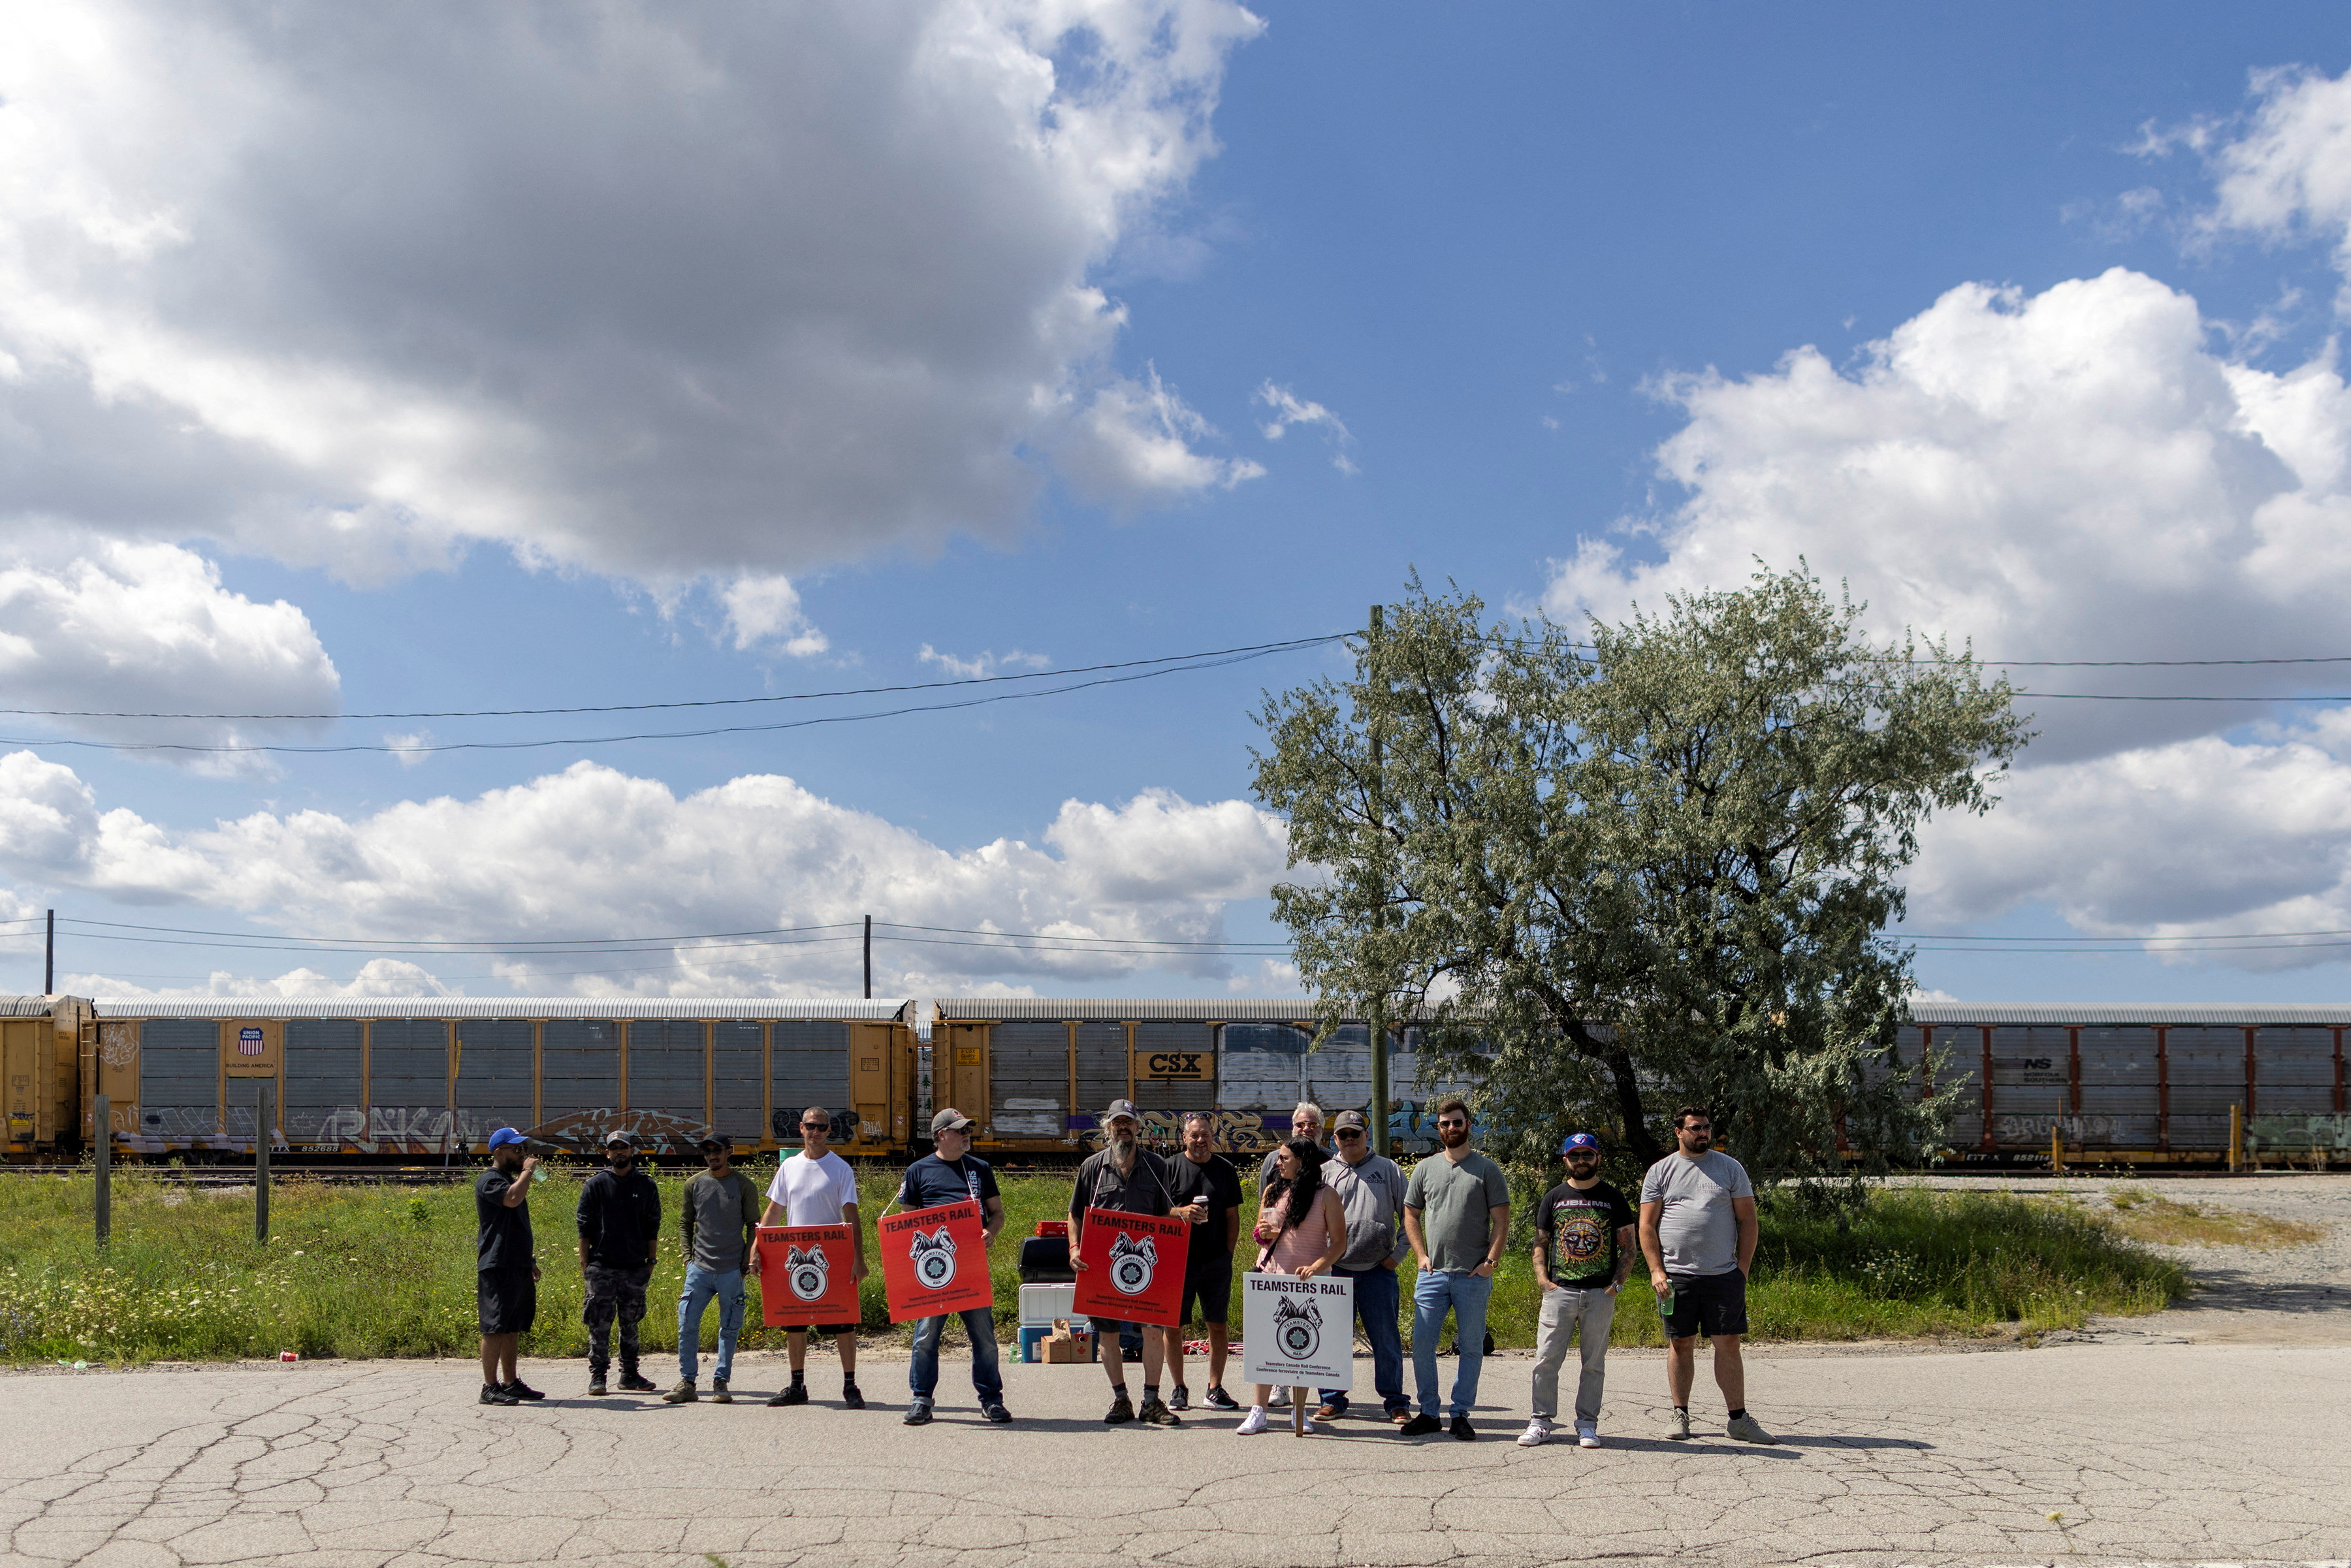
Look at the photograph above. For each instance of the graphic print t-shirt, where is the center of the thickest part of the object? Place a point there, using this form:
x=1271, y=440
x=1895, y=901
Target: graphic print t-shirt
x=1579, y=1233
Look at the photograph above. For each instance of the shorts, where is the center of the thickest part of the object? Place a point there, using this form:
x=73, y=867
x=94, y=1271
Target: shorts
x=1707, y=1303
x=834, y=1329
x=1210, y=1284
x=507, y=1299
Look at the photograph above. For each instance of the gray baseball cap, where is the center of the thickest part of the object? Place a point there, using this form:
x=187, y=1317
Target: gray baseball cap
x=950, y=1121
x=1122, y=1108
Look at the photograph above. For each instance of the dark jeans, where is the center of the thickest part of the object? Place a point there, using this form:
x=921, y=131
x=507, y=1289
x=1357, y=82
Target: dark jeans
x=614, y=1295
x=1376, y=1295
x=979, y=1326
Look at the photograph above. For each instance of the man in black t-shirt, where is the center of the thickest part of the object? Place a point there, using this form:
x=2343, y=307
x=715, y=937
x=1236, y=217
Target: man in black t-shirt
x=1202, y=1176
x=1583, y=1248
x=1125, y=1176
x=506, y=1269
x=951, y=1173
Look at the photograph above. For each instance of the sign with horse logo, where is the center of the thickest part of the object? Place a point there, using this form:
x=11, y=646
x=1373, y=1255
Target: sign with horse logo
x=808, y=1274
x=1298, y=1332
x=1131, y=1266
x=935, y=1260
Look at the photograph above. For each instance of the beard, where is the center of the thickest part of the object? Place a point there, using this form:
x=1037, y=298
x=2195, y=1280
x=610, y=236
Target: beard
x=1453, y=1137
x=1123, y=1150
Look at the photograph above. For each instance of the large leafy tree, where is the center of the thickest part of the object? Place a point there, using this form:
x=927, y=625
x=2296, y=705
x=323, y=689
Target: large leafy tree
x=1651, y=867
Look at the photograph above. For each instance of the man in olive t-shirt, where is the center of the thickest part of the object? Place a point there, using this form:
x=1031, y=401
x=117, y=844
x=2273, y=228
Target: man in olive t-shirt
x=1457, y=1215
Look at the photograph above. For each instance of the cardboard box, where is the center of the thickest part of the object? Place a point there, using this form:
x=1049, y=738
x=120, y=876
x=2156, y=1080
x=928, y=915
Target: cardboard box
x=1066, y=1345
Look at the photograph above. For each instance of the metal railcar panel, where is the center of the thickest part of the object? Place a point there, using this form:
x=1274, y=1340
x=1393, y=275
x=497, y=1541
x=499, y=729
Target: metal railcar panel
x=2119, y=1102
x=1028, y=1080
x=2294, y=1071
x=738, y=1083
x=2208, y=1076
x=1164, y=1102
x=408, y=1083
x=812, y=1068
x=494, y=1076
x=179, y=1080
x=2032, y=1083
x=1339, y=1070
x=322, y=1082
x=1961, y=1071
x=1103, y=1069
x=579, y=1068
x=665, y=1068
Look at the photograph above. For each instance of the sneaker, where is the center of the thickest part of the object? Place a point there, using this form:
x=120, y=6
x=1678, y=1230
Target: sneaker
x=851, y=1399
x=718, y=1393
x=1399, y=1416
x=1253, y=1423
x=596, y=1383
x=1420, y=1427
x=918, y=1413
x=1331, y=1411
x=1587, y=1434
x=495, y=1394
x=994, y=1410
x=1463, y=1430
x=1154, y=1410
x=1179, y=1398
x=1537, y=1434
x=1121, y=1411
x=1747, y=1430
x=1216, y=1398
x=631, y=1383
x=1280, y=1400
x=1677, y=1425
x=794, y=1393
x=522, y=1390
x=682, y=1395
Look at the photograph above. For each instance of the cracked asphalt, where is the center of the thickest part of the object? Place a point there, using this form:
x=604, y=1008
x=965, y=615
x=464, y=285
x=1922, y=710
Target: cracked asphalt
x=2150, y=1453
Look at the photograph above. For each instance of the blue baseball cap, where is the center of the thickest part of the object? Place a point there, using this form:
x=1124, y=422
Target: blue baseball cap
x=504, y=1136
x=1580, y=1141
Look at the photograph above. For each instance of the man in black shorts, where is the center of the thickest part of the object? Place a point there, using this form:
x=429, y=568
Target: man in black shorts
x=1699, y=1231
x=506, y=1271
x=1204, y=1176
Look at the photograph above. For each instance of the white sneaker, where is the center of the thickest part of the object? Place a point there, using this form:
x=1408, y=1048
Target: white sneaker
x=1278, y=1399
x=1253, y=1423
x=1587, y=1434
x=1537, y=1434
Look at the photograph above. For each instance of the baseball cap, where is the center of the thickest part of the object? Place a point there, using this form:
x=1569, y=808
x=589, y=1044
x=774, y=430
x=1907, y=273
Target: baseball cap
x=504, y=1136
x=713, y=1143
x=1580, y=1141
x=618, y=1140
x=1121, y=1108
x=1350, y=1119
x=950, y=1121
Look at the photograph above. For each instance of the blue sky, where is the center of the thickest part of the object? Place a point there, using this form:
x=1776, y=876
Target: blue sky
x=429, y=364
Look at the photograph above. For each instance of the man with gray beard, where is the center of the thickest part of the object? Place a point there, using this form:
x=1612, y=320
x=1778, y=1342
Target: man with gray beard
x=1127, y=1177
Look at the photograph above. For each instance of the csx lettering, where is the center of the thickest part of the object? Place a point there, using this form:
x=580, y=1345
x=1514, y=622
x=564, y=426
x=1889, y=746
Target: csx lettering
x=1176, y=1063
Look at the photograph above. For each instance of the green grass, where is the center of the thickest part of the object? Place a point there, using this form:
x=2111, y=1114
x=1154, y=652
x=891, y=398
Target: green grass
x=387, y=1270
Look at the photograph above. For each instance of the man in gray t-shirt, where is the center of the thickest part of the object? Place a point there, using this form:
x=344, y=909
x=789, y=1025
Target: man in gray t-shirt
x=718, y=1221
x=1457, y=1215
x=1699, y=1231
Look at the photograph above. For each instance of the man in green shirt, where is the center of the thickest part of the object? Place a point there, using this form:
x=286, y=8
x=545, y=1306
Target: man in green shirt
x=1457, y=1215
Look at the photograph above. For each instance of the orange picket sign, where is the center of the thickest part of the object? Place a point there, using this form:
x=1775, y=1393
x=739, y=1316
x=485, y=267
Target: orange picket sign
x=935, y=1260
x=808, y=1274
x=1133, y=1267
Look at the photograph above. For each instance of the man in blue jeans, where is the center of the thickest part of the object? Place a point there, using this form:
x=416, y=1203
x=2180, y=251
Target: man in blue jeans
x=1370, y=1194
x=719, y=1220
x=1456, y=1214
x=951, y=1173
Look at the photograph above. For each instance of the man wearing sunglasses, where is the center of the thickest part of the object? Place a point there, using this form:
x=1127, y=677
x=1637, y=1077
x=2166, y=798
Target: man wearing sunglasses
x=1699, y=1231
x=1583, y=1250
x=1371, y=1195
x=620, y=1231
x=816, y=1186
x=1456, y=1214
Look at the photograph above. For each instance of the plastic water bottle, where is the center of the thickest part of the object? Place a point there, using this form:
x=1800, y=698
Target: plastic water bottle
x=1666, y=1302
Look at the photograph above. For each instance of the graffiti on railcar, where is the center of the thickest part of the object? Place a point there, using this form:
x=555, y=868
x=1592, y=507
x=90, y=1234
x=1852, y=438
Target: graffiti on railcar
x=2035, y=1129
x=424, y=1129
x=1412, y=1128
x=2322, y=1135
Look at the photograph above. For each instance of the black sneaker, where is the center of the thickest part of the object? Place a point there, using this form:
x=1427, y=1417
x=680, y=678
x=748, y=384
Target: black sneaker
x=918, y=1414
x=681, y=1394
x=522, y=1390
x=1420, y=1427
x=596, y=1383
x=631, y=1383
x=495, y=1394
x=996, y=1413
x=1463, y=1430
x=793, y=1393
x=1216, y=1398
x=851, y=1399
x=1179, y=1398
x=1154, y=1410
x=718, y=1392
x=1120, y=1410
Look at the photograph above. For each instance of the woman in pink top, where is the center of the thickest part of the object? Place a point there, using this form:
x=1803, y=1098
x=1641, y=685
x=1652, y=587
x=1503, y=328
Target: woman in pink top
x=1302, y=1230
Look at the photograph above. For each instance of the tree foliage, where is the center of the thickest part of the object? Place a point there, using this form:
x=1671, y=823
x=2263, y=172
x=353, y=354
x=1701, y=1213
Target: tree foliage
x=1652, y=868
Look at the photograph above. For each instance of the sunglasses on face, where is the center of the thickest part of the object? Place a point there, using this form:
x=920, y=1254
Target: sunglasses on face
x=1451, y=1121
x=815, y=1126
x=1349, y=1132
x=1700, y=1128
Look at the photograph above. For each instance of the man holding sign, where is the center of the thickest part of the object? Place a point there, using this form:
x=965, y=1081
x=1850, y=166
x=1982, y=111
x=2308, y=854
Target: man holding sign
x=919, y=1258
x=1124, y=1269
x=816, y=1186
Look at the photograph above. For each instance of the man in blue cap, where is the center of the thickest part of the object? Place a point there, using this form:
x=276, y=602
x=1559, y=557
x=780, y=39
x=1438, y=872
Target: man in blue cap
x=1583, y=1249
x=506, y=1269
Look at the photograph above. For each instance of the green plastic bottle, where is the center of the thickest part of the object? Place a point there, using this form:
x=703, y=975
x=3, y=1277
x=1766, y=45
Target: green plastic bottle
x=1665, y=1302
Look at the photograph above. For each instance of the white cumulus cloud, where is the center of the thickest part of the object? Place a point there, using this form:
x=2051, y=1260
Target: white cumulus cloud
x=664, y=292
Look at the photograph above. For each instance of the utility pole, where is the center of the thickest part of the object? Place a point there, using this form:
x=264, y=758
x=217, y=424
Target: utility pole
x=1378, y=1020
x=265, y=1120
x=49, y=959
x=101, y=1113
x=869, y=957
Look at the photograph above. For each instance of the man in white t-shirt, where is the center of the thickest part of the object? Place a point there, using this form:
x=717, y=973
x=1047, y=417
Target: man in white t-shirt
x=816, y=1186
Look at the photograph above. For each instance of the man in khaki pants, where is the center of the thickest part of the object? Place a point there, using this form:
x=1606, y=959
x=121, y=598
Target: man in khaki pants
x=1583, y=1250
